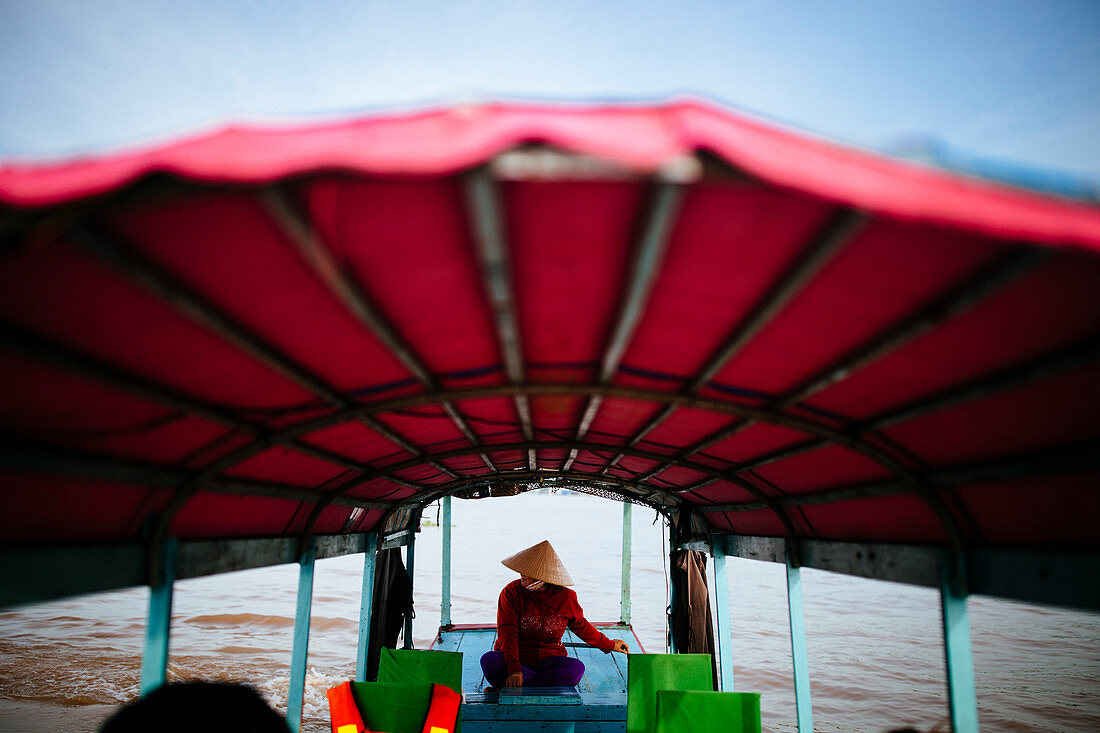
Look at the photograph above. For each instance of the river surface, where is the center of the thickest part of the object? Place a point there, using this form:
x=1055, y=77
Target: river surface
x=875, y=648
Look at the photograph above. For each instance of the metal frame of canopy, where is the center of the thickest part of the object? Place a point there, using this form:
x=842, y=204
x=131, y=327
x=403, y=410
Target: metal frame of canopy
x=465, y=409
x=27, y=576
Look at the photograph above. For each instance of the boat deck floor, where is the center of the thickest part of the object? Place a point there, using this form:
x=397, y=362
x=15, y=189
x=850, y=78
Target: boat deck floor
x=596, y=705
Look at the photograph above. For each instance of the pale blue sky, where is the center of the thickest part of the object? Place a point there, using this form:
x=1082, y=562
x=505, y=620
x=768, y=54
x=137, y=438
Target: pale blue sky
x=1006, y=79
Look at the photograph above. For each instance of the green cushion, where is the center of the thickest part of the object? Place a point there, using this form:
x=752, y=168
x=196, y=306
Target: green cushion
x=421, y=665
x=695, y=710
x=394, y=708
x=649, y=673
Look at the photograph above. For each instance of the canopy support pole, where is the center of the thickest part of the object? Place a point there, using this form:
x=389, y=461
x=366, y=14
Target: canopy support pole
x=154, y=662
x=802, y=701
x=370, y=557
x=445, y=602
x=672, y=595
x=410, y=555
x=956, y=643
x=299, y=653
x=722, y=610
x=624, y=601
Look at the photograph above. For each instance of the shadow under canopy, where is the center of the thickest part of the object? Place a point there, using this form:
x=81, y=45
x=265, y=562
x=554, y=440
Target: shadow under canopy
x=284, y=332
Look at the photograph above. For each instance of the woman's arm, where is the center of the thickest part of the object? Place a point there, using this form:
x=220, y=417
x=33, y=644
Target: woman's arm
x=508, y=631
x=588, y=633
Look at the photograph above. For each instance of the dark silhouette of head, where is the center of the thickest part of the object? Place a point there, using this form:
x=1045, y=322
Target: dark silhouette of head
x=212, y=707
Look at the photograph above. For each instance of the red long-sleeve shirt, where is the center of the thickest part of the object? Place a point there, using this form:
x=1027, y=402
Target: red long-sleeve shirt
x=530, y=624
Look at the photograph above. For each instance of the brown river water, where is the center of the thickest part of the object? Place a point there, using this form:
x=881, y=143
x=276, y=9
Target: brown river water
x=875, y=648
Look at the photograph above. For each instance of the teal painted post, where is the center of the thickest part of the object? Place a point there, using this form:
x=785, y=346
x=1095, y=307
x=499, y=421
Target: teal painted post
x=722, y=609
x=445, y=602
x=154, y=661
x=624, y=602
x=300, y=651
x=365, y=601
x=956, y=642
x=798, y=649
x=410, y=556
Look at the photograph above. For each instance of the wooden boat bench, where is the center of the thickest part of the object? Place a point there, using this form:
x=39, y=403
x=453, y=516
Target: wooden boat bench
x=596, y=705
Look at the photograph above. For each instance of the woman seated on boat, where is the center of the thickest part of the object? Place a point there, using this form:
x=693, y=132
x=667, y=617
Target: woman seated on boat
x=532, y=614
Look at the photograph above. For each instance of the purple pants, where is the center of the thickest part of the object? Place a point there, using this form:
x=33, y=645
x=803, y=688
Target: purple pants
x=550, y=672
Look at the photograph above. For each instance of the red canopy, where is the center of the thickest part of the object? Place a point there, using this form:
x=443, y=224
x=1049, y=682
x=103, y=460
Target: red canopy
x=272, y=331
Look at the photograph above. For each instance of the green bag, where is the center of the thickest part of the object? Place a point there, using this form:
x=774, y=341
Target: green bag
x=394, y=708
x=679, y=711
x=649, y=673
x=421, y=665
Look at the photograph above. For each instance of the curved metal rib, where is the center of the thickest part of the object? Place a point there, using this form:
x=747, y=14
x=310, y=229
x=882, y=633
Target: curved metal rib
x=654, y=234
x=487, y=218
x=88, y=366
x=989, y=280
x=144, y=272
x=296, y=227
x=603, y=391
x=389, y=471
x=1063, y=460
x=833, y=236
x=22, y=455
x=1016, y=375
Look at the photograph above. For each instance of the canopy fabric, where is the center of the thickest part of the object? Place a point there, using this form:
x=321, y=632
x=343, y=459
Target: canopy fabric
x=264, y=332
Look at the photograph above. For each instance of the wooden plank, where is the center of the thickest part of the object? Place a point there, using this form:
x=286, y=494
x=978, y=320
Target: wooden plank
x=539, y=696
x=1051, y=577
x=478, y=711
x=472, y=643
x=211, y=557
x=34, y=574
x=537, y=726
x=602, y=672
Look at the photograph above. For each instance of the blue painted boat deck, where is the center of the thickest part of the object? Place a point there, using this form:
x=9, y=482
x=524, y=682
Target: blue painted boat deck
x=596, y=705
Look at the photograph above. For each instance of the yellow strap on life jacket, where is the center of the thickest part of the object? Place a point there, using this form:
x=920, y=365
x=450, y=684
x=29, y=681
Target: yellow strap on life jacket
x=344, y=712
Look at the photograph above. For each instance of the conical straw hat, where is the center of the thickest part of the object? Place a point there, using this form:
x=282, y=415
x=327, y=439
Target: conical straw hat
x=539, y=562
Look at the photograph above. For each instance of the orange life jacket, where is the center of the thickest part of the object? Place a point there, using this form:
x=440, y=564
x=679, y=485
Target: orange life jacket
x=442, y=712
